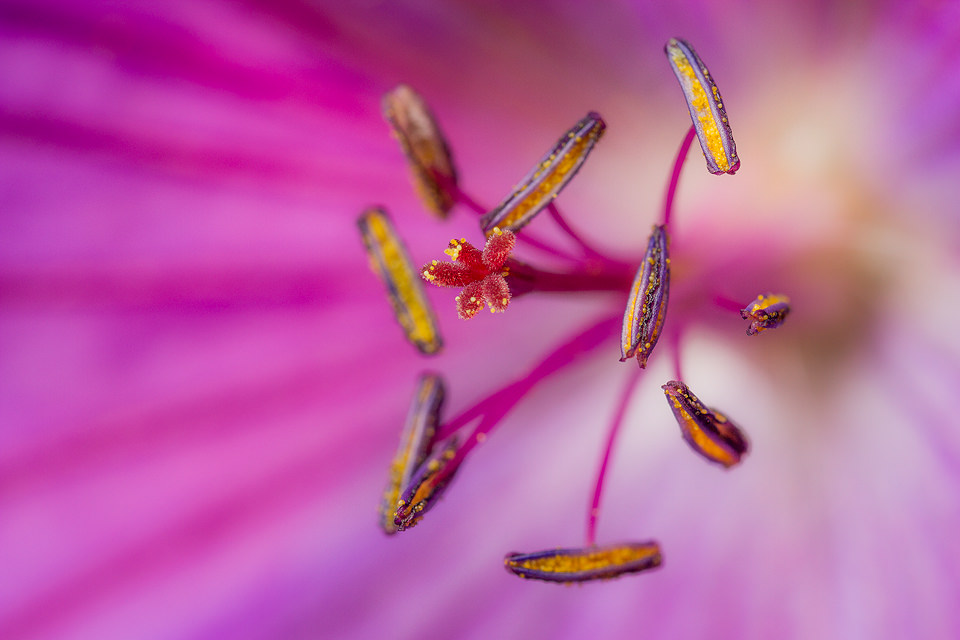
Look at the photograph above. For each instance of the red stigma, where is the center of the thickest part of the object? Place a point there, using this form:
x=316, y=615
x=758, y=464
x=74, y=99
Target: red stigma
x=479, y=273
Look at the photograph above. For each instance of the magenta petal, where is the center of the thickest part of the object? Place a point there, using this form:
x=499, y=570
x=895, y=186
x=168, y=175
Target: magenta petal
x=201, y=381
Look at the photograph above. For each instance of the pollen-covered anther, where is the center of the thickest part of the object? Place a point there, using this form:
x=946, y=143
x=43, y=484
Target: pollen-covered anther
x=425, y=148
x=707, y=431
x=416, y=442
x=706, y=107
x=585, y=564
x=547, y=178
x=767, y=311
x=391, y=262
x=426, y=485
x=479, y=273
x=647, y=306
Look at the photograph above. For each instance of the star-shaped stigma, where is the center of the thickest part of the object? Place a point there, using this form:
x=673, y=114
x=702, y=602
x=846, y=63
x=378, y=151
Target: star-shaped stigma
x=479, y=273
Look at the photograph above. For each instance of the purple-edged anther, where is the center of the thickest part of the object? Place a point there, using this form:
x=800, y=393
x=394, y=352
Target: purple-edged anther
x=707, y=431
x=425, y=147
x=427, y=485
x=647, y=305
x=767, y=311
x=706, y=107
x=416, y=441
x=548, y=178
x=390, y=260
x=585, y=564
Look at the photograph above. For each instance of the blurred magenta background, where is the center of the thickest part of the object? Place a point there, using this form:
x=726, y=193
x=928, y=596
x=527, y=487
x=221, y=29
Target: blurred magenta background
x=202, y=385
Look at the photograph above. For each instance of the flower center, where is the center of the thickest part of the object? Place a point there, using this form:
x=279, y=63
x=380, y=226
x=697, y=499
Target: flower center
x=492, y=277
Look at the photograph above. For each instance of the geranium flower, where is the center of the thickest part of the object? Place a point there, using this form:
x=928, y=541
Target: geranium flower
x=203, y=382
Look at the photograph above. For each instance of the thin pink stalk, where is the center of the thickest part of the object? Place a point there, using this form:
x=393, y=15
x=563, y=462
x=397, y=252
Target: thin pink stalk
x=727, y=303
x=562, y=223
x=675, y=176
x=531, y=240
x=525, y=278
x=618, y=417
x=465, y=199
x=495, y=406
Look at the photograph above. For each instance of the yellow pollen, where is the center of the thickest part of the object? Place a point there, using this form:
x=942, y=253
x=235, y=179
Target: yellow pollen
x=586, y=561
x=557, y=167
x=700, y=102
x=409, y=302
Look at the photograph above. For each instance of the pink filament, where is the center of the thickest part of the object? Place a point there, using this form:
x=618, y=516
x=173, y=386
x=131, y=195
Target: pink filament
x=494, y=407
x=728, y=304
x=675, y=176
x=562, y=223
x=465, y=199
x=594, y=512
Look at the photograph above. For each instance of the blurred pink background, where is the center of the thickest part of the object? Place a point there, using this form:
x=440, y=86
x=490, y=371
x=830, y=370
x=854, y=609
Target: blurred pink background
x=202, y=384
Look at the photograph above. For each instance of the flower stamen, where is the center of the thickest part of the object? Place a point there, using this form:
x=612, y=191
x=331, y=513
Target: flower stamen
x=618, y=417
x=675, y=175
x=585, y=564
x=489, y=277
x=706, y=107
x=416, y=442
x=707, y=431
x=390, y=260
x=425, y=148
x=767, y=311
x=647, y=306
x=427, y=484
x=548, y=178
x=431, y=477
